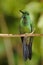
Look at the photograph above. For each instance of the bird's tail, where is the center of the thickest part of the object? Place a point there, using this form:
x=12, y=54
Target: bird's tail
x=25, y=49
x=30, y=49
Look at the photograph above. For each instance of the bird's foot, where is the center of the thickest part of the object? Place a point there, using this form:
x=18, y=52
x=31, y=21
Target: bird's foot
x=26, y=35
x=25, y=38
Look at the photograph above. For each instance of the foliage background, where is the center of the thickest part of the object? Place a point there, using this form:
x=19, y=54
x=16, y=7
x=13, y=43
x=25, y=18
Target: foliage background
x=11, y=48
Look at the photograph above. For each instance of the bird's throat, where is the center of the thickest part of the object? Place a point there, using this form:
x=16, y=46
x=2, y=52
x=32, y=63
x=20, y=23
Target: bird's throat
x=24, y=22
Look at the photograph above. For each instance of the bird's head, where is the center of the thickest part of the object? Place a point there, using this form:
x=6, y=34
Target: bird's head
x=25, y=14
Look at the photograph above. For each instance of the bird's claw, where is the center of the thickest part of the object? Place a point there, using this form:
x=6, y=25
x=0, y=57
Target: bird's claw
x=26, y=34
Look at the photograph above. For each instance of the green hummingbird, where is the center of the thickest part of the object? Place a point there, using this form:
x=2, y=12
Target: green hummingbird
x=26, y=26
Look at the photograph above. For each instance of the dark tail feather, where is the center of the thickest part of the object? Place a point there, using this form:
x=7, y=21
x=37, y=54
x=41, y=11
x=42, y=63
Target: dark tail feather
x=25, y=50
x=30, y=52
x=30, y=48
x=22, y=38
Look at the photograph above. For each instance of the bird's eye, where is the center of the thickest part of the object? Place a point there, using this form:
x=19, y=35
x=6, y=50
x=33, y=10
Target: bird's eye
x=27, y=13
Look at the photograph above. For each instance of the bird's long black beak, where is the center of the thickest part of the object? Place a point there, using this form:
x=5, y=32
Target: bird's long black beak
x=21, y=11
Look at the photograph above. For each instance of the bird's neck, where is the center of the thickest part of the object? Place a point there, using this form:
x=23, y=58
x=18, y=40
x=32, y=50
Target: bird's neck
x=24, y=21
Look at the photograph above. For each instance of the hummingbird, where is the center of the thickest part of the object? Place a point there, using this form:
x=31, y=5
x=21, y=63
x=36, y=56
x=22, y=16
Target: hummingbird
x=25, y=27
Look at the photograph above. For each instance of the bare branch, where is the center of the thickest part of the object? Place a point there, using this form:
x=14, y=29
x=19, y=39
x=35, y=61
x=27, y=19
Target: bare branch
x=19, y=35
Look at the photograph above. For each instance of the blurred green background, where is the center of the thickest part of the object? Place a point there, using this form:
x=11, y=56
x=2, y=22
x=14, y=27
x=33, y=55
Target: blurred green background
x=11, y=48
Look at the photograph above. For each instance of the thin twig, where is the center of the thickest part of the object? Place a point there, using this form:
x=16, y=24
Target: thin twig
x=19, y=35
